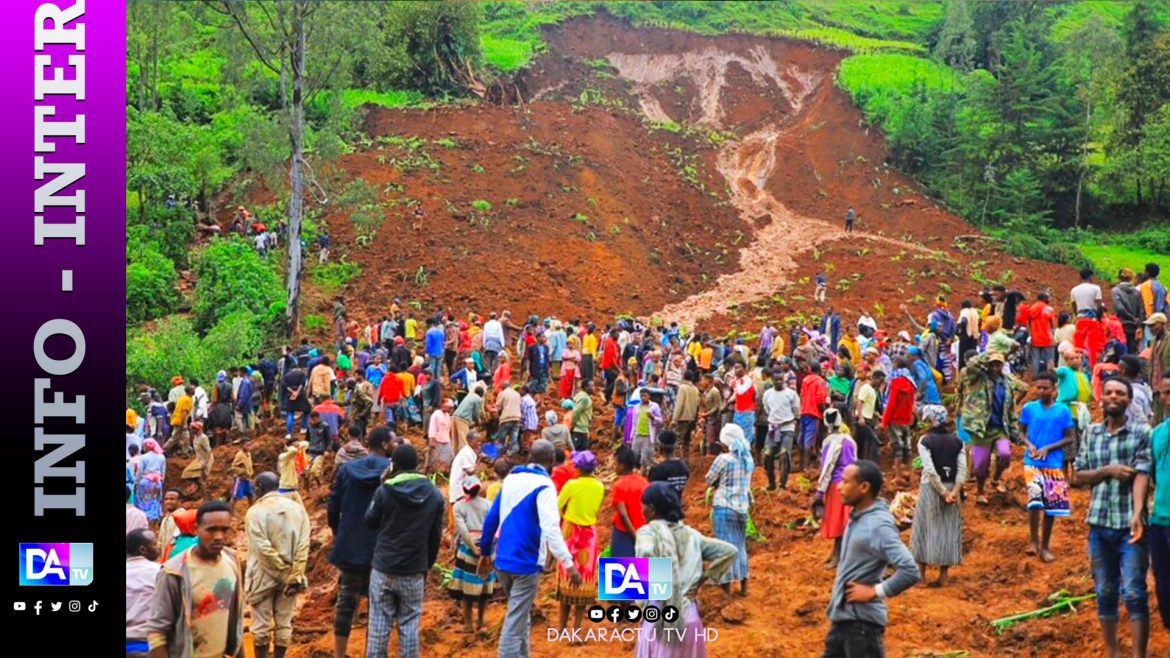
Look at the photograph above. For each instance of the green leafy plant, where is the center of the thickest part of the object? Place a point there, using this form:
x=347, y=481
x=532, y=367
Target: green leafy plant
x=481, y=205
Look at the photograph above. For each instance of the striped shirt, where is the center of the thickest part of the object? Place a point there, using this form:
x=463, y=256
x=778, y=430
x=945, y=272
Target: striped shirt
x=1111, y=504
x=528, y=420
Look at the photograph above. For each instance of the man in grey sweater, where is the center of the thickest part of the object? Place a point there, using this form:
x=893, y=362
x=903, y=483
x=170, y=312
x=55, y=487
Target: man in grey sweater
x=857, y=608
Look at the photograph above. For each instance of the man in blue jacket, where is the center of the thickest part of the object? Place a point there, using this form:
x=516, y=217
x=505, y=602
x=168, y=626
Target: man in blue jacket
x=353, y=542
x=408, y=511
x=433, y=343
x=525, y=518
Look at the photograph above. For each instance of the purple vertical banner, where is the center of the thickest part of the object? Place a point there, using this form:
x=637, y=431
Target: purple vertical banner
x=63, y=120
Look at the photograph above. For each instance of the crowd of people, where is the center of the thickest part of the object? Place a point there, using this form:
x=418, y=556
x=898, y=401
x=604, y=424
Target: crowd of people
x=509, y=413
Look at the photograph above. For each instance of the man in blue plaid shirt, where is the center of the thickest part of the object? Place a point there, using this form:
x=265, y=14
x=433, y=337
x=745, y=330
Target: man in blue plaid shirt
x=1115, y=461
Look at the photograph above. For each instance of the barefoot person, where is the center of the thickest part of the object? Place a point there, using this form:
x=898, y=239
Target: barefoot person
x=857, y=606
x=1048, y=428
x=937, y=539
x=1116, y=462
x=839, y=452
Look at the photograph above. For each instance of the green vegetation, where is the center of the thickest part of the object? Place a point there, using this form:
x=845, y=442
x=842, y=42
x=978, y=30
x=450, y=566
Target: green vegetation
x=150, y=283
x=1031, y=114
x=481, y=205
x=332, y=277
x=1108, y=259
x=233, y=278
x=153, y=357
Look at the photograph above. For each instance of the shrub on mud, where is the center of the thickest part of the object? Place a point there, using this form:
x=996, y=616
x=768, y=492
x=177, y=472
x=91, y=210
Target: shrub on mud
x=333, y=276
x=174, y=348
x=233, y=277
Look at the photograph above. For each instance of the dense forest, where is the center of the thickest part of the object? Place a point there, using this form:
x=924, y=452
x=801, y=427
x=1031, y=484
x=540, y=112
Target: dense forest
x=1028, y=118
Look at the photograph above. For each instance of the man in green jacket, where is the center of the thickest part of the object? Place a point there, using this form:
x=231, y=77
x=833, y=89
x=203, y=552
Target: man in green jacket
x=582, y=415
x=990, y=414
x=209, y=573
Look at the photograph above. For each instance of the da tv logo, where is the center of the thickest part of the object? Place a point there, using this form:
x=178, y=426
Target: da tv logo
x=635, y=579
x=56, y=564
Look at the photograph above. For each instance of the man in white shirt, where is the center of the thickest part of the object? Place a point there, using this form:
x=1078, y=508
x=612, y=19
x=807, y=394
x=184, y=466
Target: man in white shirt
x=782, y=405
x=865, y=415
x=493, y=342
x=1086, y=297
x=142, y=568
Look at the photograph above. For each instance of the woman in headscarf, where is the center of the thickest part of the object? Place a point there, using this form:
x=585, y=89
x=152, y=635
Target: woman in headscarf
x=838, y=452
x=731, y=477
x=185, y=536
x=570, y=358
x=219, y=419
x=937, y=538
x=466, y=585
x=665, y=535
x=579, y=502
x=148, y=483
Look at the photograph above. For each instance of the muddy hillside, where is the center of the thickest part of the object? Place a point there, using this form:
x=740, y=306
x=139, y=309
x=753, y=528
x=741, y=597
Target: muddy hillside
x=654, y=173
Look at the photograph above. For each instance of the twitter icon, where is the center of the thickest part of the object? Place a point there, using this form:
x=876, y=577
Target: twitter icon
x=56, y=605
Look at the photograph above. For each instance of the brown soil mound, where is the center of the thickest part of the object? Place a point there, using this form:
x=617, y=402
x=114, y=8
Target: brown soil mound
x=573, y=194
x=801, y=153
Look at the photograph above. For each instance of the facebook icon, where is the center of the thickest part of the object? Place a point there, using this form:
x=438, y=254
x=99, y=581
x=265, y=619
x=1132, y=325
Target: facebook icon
x=635, y=579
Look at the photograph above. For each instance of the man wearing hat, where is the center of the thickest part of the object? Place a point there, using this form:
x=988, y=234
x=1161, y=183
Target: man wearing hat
x=176, y=391
x=991, y=416
x=200, y=467
x=1159, y=362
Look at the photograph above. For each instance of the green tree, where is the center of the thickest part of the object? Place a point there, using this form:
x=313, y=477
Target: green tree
x=280, y=33
x=1090, y=60
x=957, y=42
x=150, y=283
x=232, y=277
x=429, y=46
x=1144, y=86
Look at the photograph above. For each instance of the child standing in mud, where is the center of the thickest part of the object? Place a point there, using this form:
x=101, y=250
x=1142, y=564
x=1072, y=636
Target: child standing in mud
x=822, y=287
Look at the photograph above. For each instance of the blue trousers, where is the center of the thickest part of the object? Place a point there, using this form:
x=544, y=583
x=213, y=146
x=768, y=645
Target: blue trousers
x=1159, y=538
x=1119, y=571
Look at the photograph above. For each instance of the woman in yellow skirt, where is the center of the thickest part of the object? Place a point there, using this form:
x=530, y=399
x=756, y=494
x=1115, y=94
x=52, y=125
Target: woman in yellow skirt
x=579, y=502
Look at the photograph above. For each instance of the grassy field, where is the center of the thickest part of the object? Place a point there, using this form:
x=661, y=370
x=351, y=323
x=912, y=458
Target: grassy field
x=1110, y=258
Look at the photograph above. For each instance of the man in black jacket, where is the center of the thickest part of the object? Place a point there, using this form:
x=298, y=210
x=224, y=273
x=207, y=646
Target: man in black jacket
x=408, y=511
x=1128, y=305
x=353, y=542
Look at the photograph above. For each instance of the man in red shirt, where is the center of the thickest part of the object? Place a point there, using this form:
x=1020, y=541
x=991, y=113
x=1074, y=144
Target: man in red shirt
x=898, y=418
x=744, y=389
x=1040, y=319
x=390, y=396
x=814, y=398
x=610, y=362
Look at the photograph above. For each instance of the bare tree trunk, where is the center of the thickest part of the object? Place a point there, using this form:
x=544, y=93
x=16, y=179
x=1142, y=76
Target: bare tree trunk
x=296, y=177
x=1084, y=161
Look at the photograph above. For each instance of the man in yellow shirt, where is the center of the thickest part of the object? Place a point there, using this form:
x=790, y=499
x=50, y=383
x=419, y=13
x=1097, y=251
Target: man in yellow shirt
x=179, y=417
x=851, y=343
